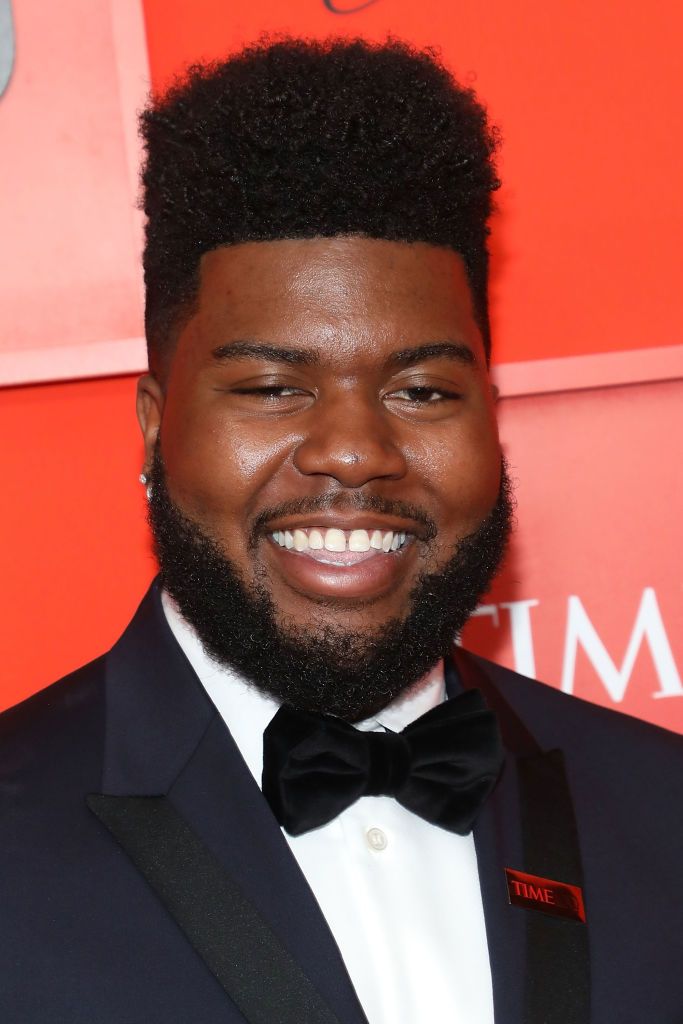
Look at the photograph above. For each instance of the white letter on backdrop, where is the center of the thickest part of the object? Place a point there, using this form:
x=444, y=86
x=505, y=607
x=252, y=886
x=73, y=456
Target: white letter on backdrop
x=648, y=626
x=522, y=638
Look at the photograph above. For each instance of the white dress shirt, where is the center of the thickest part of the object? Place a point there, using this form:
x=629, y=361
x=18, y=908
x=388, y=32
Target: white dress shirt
x=401, y=897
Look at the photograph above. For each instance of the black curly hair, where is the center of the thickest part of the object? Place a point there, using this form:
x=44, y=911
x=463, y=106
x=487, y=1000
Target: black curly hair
x=295, y=139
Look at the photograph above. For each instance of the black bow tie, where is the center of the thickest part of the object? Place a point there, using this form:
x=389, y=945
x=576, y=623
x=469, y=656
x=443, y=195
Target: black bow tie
x=441, y=767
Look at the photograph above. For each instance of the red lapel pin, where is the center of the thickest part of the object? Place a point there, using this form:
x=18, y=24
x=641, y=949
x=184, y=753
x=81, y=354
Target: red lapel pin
x=545, y=894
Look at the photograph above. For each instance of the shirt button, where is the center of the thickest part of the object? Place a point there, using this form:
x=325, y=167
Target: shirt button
x=376, y=839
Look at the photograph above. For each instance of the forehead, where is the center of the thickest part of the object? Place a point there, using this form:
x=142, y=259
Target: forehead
x=344, y=295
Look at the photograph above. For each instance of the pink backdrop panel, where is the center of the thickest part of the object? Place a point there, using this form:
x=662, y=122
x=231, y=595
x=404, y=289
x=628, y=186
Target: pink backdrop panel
x=70, y=241
x=591, y=597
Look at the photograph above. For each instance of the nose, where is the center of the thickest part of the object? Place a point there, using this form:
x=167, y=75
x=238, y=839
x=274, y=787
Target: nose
x=352, y=441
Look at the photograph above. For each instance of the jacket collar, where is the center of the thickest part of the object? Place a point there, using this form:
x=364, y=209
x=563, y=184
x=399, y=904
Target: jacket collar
x=156, y=709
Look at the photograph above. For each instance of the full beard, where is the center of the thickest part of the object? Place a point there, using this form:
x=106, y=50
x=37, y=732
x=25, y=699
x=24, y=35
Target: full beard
x=315, y=665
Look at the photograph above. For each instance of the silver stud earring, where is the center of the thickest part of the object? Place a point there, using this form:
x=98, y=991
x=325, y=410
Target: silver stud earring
x=143, y=478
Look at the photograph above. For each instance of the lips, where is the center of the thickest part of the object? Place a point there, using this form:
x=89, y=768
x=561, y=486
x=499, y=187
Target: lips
x=344, y=560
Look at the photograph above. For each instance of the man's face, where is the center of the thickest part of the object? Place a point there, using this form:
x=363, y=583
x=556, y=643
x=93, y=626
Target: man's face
x=329, y=399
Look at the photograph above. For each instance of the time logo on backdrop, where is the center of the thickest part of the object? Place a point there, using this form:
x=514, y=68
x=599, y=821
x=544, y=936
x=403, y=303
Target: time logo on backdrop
x=519, y=623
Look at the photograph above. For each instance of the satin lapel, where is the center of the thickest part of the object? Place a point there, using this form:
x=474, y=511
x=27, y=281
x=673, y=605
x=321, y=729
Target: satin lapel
x=218, y=797
x=164, y=737
x=232, y=939
x=540, y=964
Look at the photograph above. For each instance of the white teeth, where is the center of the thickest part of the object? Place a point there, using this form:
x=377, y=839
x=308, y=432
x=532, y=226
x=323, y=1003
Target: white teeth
x=335, y=540
x=359, y=540
x=300, y=541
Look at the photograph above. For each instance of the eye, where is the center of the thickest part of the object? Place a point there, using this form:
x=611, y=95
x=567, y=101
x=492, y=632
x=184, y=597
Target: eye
x=423, y=395
x=270, y=392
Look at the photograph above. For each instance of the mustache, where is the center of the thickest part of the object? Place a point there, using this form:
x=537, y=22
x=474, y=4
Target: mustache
x=331, y=502
x=343, y=503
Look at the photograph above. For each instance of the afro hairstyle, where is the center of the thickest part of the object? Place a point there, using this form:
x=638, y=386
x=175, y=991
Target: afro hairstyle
x=294, y=138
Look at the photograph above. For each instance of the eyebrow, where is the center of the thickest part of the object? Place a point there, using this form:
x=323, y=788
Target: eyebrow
x=269, y=353
x=456, y=351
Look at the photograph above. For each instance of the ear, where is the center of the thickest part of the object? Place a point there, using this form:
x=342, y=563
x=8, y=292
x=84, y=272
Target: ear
x=149, y=407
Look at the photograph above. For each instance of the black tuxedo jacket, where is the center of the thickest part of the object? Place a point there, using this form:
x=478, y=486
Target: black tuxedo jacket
x=86, y=939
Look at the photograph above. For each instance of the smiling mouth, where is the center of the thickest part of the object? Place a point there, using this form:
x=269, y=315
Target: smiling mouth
x=340, y=547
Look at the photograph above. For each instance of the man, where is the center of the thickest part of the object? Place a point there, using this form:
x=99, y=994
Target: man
x=283, y=795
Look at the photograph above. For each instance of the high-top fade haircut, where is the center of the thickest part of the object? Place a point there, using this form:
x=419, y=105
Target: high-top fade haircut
x=298, y=139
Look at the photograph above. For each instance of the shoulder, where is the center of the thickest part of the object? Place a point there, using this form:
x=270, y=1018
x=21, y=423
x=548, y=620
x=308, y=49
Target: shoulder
x=53, y=735
x=559, y=719
x=625, y=775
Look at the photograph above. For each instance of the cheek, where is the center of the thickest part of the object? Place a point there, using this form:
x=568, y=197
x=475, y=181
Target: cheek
x=218, y=471
x=462, y=475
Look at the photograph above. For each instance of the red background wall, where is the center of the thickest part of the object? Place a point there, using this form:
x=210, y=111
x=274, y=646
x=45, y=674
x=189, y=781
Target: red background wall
x=585, y=261
x=587, y=96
